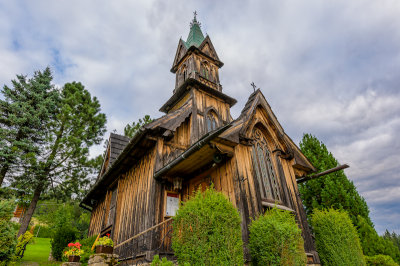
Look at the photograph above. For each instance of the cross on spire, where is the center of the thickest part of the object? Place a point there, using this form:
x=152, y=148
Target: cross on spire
x=194, y=21
x=254, y=86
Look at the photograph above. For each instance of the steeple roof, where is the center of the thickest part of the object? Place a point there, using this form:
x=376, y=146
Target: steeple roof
x=195, y=37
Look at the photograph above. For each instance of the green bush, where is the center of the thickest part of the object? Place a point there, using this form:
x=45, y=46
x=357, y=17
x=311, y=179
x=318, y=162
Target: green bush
x=44, y=231
x=62, y=237
x=207, y=231
x=381, y=260
x=22, y=240
x=8, y=239
x=164, y=262
x=336, y=238
x=275, y=239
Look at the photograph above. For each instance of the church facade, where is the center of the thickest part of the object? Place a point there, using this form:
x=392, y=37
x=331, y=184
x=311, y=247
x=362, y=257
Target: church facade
x=196, y=143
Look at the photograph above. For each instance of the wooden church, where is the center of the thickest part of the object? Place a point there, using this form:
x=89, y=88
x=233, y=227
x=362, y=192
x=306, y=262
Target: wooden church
x=196, y=143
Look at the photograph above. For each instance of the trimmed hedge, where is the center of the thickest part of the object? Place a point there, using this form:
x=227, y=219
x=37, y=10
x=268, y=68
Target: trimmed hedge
x=275, y=239
x=207, y=231
x=336, y=238
x=381, y=260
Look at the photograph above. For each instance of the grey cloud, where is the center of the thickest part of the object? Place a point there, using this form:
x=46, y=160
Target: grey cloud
x=328, y=68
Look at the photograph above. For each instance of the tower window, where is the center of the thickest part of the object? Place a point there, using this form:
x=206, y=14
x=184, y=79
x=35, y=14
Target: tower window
x=264, y=169
x=211, y=121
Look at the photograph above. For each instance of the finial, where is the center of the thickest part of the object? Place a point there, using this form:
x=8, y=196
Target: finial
x=194, y=21
x=254, y=86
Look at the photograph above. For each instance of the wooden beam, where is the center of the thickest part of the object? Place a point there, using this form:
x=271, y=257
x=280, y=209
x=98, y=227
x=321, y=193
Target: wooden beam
x=332, y=170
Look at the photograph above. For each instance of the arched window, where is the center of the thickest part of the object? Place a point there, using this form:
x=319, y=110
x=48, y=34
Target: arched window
x=184, y=72
x=211, y=121
x=204, y=70
x=264, y=169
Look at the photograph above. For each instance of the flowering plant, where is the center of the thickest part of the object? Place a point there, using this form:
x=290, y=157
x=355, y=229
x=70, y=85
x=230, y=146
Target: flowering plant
x=105, y=241
x=73, y=250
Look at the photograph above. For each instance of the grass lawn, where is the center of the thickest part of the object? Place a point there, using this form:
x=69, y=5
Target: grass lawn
x=38, y=252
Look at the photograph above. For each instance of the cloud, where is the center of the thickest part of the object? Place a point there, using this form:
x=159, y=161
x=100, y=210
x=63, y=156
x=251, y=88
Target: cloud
x=327, y=68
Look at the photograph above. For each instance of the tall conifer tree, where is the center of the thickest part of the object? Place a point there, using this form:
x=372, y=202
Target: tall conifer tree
x=331, y=191
x=25, y=111
x=78, y=124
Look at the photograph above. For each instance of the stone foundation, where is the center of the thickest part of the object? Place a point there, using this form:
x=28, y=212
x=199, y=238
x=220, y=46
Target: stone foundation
x=103, y=259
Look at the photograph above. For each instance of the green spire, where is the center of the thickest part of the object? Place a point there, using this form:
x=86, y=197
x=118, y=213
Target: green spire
x=195, y=37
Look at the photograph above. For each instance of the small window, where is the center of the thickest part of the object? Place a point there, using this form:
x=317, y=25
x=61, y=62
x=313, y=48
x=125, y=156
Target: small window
x=211, y=121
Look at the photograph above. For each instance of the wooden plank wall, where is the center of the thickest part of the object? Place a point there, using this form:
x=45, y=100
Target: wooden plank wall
x=137, y=201
x=98, y=216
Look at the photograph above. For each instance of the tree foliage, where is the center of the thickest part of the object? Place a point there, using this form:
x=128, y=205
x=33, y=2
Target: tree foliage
x=63, y=163
x=275, y=239
x=373, y=244
x=25, y=112
x=207, y=231
x=331, y=191
x=336, y=238
x=131, y=129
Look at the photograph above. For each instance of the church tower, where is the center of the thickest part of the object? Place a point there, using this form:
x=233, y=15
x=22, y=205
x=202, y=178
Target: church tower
x=196, y=66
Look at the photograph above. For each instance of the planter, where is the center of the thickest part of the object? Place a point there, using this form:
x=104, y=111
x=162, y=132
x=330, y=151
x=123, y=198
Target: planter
x=104, y=249
x=74, y=258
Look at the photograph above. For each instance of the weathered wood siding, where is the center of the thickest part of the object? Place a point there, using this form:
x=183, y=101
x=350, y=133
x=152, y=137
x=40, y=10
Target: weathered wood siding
x=137, y=204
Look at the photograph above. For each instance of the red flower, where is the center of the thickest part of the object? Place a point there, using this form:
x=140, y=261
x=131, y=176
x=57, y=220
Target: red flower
x=71, y=244
x=108, y=235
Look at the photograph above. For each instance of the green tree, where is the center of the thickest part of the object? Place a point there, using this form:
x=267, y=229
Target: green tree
x=331, y=191
x=24, y=113
x=131, y=129
x=64, y=162
x=373, y=244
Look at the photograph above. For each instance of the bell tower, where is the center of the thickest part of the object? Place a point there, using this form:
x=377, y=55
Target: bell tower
x=196, y=67
x=196, y=58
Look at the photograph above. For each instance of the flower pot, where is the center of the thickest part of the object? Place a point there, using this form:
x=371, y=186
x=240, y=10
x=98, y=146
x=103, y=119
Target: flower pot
x=74, y=258
x=104, y=249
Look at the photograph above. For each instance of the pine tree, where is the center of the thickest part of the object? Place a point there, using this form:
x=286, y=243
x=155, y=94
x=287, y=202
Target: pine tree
x=64, y=162
x=331, y=191
x=130, y=130
x=24, y=113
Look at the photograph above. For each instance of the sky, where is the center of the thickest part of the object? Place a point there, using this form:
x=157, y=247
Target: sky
x=329, y=68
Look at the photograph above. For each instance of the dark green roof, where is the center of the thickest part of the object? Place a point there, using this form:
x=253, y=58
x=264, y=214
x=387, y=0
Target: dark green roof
x=195, y=37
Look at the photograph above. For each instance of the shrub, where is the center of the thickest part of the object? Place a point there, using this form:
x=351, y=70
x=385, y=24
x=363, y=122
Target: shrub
x=62, y=237
x=275, y=239
x=336, y=238
x=207, y=231
x=22, y=241
x=44, y=231
x=381, y=260
x=164, y=262
x=8, y=238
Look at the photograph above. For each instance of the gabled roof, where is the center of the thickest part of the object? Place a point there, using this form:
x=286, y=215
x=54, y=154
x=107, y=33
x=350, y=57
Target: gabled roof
x=208, y=48
x=241, y=125
x=174, y=119
x=117, y=144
